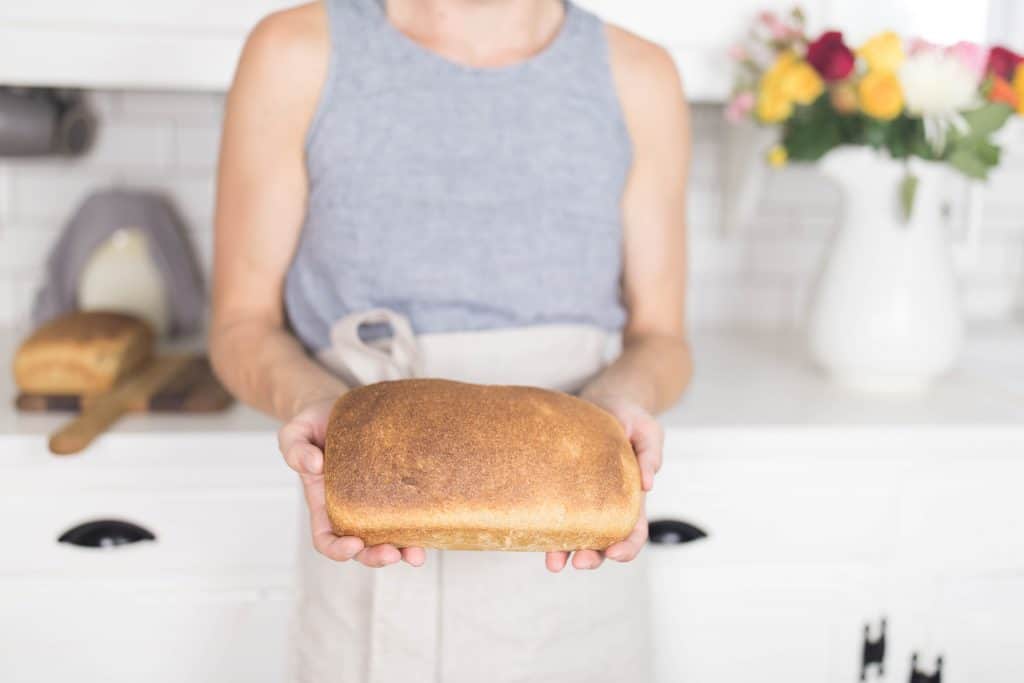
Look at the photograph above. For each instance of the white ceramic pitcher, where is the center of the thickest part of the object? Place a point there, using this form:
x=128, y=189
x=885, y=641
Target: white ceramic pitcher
x=886, y=314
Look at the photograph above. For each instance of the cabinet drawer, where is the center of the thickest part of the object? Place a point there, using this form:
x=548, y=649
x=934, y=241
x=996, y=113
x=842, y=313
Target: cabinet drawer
x=774, y=515
x=962, y=514
x=103, y=631
x=196, y=530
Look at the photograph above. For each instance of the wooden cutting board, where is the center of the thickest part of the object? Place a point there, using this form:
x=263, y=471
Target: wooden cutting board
x=194, y=389
x=105, y=410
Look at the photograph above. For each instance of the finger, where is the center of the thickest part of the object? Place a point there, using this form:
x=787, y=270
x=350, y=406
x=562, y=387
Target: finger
x=295, y=432
x=627, y=549
x=587, y=559
x=414, y=556
x=555, y=561
x=379, y=555
x=305, y=458
x=648, y=443
x=338, y=548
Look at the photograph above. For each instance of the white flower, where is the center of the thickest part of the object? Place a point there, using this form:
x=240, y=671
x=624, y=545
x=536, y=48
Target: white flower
x=938, y=86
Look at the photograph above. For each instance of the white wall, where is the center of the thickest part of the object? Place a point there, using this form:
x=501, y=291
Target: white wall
x=759, y=277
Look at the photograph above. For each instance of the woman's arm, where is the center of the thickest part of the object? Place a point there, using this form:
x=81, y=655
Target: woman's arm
x=261, y=204
x=655, y=365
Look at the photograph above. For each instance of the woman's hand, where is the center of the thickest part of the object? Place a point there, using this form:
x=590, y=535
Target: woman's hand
x=301, y=442
x=647, y=437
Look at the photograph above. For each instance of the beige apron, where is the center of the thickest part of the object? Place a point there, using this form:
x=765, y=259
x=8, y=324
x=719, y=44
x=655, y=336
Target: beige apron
x=469, y=617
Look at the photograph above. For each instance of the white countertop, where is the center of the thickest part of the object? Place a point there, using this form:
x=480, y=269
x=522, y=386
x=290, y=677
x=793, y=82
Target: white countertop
x=746, y=383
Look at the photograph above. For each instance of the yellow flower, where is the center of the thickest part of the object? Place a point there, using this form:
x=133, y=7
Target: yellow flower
x=773, y=106
x=801, y=82
x=880, y=95
x=884, y=52
x=789, y=81
x=778, y=156
x=1018, y=87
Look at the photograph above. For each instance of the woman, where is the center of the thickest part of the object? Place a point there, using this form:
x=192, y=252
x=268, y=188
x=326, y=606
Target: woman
x=489, y=190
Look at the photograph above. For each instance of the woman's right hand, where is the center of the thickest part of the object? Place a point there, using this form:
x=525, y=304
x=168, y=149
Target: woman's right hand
x=301, y=442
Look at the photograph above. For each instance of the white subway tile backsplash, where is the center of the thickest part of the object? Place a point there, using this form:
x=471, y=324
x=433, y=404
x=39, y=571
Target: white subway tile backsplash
x=759, y=275
x=130, y=145
x=196, y=146
x=725, y=301
x=47, y=192
x=23, y=287
x=7, y=281
x=26, y=247
x=204, y=109
x=994, y=300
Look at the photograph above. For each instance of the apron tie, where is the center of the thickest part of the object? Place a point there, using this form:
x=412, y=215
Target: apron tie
x=359, y=362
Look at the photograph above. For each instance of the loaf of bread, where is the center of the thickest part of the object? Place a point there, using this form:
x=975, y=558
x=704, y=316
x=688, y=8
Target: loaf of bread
x=83, y=353
x=458, y=466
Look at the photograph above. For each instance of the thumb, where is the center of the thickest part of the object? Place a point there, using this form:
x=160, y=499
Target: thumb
x=305, y=458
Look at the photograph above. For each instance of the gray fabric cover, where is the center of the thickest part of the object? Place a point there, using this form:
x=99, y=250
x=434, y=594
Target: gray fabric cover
x=98, y=217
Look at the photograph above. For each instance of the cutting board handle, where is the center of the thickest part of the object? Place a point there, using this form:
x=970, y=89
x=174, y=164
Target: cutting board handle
x=106, y=410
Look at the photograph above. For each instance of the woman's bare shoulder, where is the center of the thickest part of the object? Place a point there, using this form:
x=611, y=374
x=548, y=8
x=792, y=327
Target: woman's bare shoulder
x=639, y=64
x=649, y=87
x=287, y=52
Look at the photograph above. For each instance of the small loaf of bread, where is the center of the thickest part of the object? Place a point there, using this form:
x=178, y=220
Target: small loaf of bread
x=84, y=352
x=458, y=466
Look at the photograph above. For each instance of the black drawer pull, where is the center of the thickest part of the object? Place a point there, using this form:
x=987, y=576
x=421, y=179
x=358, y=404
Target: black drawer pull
x=918, y=676
x=873, y=651
x=105, y=533
x=673, y=532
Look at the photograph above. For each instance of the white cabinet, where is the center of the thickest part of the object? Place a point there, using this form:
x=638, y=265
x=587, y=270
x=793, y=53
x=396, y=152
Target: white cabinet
x=697, y=33
x=183, y=45
x=194, y=45
x=207, y=599
x=978, y=628
x=157, y=630
x=809, y=540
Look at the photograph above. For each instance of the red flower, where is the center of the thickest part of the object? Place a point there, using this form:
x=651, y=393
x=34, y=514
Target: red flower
x=830, y=56
x=1003, y=62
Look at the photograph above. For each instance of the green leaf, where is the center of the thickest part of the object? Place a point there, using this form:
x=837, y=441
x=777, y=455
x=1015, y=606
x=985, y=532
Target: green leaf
x=875, y=133
x=987, y=119
x=812, y=131
x=908, y=190
x=905, y=138
x=969, y=162
x=974, y=156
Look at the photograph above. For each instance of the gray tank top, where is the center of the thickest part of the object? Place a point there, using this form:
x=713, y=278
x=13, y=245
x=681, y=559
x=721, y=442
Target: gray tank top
x=463, y=198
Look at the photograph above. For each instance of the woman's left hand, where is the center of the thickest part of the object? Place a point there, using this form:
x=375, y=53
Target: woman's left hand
x=647, y=437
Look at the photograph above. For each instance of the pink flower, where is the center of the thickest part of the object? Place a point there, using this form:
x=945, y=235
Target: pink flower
x=739, y=107
x=777, y=28
x=738, y=53
x=919, y=45
x=970, y=55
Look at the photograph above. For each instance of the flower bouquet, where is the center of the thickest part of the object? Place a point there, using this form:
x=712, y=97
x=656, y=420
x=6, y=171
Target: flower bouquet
x=906, y=98
x=891, y=121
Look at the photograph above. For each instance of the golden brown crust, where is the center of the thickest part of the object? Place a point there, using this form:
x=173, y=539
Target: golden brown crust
x=450, y=465
x=84, y=352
